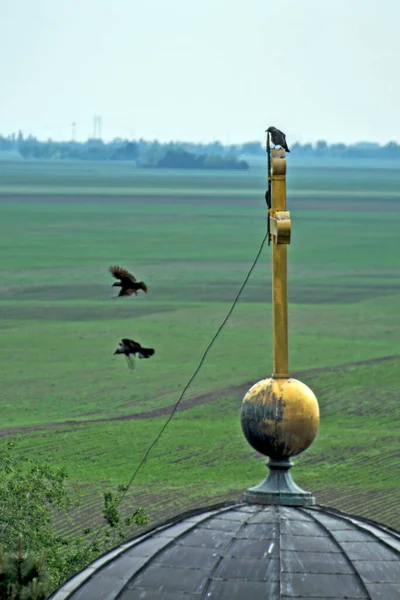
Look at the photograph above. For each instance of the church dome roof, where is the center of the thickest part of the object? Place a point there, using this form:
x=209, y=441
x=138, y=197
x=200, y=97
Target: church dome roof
x=245, y=551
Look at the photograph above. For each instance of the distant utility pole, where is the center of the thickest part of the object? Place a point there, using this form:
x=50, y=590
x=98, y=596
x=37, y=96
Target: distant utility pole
x=73, y=128
x=97, y=127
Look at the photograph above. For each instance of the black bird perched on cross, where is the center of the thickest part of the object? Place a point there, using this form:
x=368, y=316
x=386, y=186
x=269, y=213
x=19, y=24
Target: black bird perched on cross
x=278, y=138
x=130, y=348
x=127, y=282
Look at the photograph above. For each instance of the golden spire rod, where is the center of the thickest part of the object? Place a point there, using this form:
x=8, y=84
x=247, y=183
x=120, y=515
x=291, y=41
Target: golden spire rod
x=280, y=415
x=279, y=228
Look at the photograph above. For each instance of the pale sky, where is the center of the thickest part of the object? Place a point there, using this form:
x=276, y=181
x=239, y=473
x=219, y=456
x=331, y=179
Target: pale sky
x=201, y=70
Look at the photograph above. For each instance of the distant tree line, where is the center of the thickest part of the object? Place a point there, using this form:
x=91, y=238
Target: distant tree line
x=323, y=149
x=180, y=154
x=181, y=159
x=143, y=153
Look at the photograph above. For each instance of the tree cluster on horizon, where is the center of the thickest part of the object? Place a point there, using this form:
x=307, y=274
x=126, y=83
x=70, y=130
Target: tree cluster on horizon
x=154, y=153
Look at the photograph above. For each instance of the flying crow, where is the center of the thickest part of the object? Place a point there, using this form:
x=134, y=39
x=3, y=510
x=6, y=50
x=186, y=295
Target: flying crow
x=278, y=138
x=127, y=283
x=130, y=349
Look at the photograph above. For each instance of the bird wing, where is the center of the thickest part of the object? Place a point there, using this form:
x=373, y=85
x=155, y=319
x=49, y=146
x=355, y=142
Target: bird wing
x=131, y=345
x=120, y=273
x=281, y=137
x=146, y=352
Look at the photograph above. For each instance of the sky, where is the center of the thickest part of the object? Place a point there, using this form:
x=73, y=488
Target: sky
x=201, y=70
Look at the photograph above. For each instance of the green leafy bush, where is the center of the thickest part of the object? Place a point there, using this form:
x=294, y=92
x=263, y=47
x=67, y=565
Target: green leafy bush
x=31, y=494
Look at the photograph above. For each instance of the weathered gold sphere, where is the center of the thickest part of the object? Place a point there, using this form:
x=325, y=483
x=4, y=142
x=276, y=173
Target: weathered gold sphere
x=280, y=417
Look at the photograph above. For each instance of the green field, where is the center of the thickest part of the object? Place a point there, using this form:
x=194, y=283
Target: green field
x=192, y=238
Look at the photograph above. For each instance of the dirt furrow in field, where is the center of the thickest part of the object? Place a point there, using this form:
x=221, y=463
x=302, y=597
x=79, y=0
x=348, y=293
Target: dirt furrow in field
x=237, y=390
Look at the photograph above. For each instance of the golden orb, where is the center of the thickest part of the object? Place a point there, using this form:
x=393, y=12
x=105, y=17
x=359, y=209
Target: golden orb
x=280, y=417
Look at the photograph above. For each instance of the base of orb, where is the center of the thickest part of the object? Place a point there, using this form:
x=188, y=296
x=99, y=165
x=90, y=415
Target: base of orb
x=279, y=487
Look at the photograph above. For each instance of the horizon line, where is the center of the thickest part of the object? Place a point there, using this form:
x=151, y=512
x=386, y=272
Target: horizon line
x=107, y=140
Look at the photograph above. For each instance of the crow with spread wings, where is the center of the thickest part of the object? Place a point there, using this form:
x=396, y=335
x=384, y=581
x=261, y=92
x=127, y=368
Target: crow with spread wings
x=127, y=282
x=130, y=348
